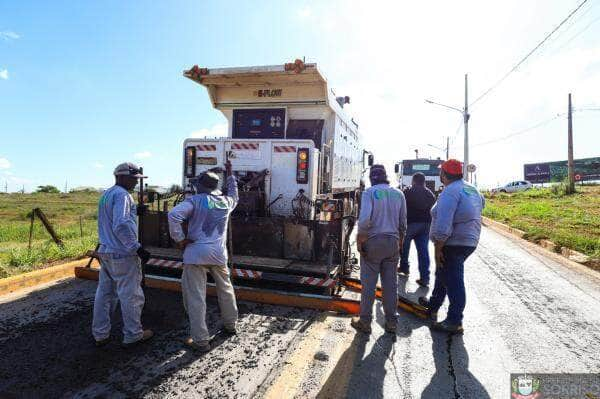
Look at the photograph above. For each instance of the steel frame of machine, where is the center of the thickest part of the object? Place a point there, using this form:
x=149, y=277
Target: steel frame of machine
x=334, y=303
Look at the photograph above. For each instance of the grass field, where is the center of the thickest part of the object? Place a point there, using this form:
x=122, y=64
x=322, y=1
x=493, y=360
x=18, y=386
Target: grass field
x=63, y=211
x=571, y=221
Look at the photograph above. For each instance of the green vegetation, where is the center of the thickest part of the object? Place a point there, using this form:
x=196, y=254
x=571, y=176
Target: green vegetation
x=47, y=189
x=571, y=221
x=64, y=211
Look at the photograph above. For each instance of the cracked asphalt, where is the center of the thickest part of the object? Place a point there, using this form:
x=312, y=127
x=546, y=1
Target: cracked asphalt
x=525, y=313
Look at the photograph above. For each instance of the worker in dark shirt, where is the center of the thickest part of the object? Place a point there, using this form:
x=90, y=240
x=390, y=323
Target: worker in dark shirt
x=419, y=200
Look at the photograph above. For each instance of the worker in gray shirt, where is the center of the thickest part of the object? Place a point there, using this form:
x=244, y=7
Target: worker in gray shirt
x=120, y=254
x=205, y=251
x=381, y=230
x=455, y=231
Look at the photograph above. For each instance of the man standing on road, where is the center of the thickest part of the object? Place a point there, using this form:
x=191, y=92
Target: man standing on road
x=381, y=229
x=455, y=230
x=120, y=254
x=419, y=200
x=205, y=250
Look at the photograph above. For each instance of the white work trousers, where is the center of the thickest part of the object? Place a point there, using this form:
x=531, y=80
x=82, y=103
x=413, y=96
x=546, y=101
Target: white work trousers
x=193, y=285
x=120, y=279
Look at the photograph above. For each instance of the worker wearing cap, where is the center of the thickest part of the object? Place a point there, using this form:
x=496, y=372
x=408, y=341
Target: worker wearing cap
x=455, y=230
x=119, y=254
x=381, y=230
x=205, y=250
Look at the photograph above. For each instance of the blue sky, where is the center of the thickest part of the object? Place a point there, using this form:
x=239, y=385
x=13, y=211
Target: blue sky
x=86, y=85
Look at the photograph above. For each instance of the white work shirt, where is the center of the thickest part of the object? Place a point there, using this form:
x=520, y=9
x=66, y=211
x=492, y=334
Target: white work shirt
x=117, y=222
x=207, y=216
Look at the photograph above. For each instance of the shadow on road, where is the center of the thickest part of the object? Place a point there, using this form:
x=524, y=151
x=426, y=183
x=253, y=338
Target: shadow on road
x=452, y=377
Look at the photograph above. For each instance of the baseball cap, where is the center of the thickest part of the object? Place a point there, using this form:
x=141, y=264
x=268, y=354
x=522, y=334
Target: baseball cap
x=453, y=167
x=128, y=169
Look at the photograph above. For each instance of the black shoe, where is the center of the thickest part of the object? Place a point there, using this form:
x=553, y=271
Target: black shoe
x=423, y=283
x=423, y=301
x=444, y=326
x=229, y=329
x=102, y=342
x=402, y=273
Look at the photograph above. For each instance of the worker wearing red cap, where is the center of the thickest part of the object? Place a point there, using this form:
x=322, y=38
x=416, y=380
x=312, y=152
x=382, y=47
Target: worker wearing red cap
x=455, y=230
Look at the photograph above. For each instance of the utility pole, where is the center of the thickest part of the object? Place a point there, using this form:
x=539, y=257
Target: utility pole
x=466, y=120
x=571, y=187
x=447, y=148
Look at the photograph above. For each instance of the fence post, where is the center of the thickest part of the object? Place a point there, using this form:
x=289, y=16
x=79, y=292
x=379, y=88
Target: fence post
x=48, y=226
x=31, y=230
x=80, y=227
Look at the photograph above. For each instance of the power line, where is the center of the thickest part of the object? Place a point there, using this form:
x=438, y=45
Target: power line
x=519, y=132
x=514, y=68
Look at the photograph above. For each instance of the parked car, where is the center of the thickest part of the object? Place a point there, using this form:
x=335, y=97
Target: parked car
x=514, y=186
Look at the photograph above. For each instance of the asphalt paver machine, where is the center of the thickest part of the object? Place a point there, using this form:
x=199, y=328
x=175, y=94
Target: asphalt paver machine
x=299, y=162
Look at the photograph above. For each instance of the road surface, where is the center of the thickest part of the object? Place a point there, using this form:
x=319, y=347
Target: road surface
x=525, y=313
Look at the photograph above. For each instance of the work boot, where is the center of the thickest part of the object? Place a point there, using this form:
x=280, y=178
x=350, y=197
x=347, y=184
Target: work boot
x=390, y=327
x=146, y=335
x=423, y=283
x=423, y=301
x=361, y=325
x=445, y=326
x=102, y=342
x=230, y=329
x=200, y=347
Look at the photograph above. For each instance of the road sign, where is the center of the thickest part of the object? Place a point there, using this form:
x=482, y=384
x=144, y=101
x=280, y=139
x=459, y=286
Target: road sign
x=471, y=168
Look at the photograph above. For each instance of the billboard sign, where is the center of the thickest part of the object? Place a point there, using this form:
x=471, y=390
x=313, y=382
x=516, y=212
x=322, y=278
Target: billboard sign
x=585, y=170
x=537, y=172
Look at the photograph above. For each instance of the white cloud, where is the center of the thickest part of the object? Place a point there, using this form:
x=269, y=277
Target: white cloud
x=218, y=130
x=98, y=165
x=4, y=74
x=142, y=155
x=305, y=12
x=390, y=61
x=9, y=35
x=4, y=163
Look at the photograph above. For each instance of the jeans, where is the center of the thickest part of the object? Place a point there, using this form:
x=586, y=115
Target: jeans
x=120, y=278
x=420, y=233
x=193, y=284
x=449, y=280
x=379, y=258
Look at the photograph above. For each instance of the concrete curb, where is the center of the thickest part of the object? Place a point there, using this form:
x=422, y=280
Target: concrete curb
x=566, y=253
x=23, y=281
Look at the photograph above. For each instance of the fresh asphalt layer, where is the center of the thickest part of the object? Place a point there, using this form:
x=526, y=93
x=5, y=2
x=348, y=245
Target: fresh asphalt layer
x=525, y=313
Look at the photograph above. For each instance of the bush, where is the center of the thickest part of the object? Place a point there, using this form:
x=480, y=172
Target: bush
x=47, y=189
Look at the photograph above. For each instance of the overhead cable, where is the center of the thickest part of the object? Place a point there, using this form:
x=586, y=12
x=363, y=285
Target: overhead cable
x=518, y=64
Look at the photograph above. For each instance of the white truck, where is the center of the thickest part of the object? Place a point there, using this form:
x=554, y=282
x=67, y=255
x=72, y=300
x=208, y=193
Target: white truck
x=299, y=162
x=429, y=167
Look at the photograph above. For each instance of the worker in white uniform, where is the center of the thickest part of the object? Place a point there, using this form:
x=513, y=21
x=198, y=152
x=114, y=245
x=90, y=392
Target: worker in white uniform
x=120, y=254
x=205, y=250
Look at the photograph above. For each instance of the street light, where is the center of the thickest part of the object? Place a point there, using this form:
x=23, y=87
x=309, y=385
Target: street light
x=465, y=113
